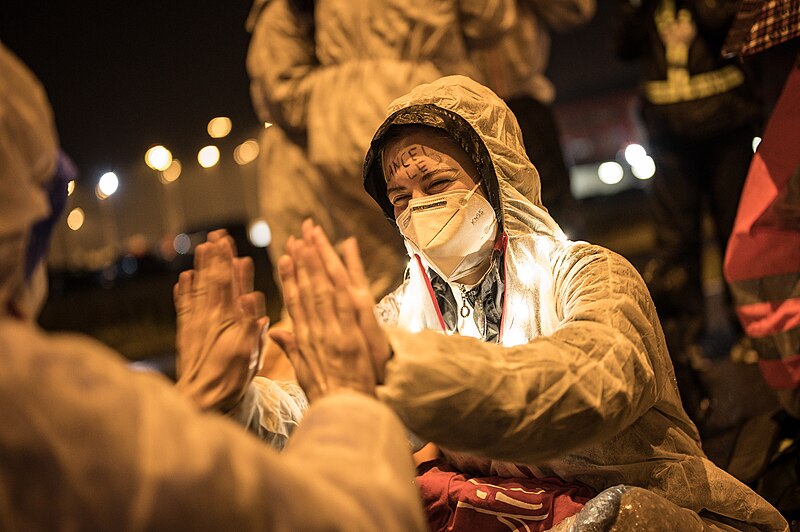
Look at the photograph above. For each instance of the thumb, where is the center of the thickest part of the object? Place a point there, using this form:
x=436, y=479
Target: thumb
x=285, y=340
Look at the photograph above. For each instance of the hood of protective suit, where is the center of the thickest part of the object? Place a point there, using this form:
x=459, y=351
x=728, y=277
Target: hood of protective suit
x=481, y=123
x=28, y=157
x=578, y=382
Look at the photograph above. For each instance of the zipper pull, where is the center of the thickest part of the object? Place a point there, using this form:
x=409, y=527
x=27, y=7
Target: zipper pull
x=464, y=310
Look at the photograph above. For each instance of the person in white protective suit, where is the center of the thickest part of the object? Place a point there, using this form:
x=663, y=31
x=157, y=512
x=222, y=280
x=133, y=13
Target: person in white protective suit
x=87, y=444
x=520, y=354
x=322, y=72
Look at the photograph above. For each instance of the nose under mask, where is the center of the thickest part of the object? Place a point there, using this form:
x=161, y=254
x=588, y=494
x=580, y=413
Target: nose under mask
x=454, y=231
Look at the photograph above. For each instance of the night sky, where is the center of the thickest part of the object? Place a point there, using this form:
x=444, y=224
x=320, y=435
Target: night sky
x=123, y=76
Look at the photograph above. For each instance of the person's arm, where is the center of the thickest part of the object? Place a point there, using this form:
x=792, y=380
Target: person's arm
x=564, y=15
x=485, y=21
x=282, y=65
x=589, y=380
x=88, y=445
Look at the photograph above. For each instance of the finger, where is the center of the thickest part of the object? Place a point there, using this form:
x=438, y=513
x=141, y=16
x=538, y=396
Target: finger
x=333, y=263
x=252, y=305
x=323, y=293
x=352, y=258
x=182, y=292
x=263, y=338
x=306, y=230
x=291, y=295
x=304, y=287
x=200, y=286
x=222, y=276
x=245, y=274
x=345, y=309
x=310, y=377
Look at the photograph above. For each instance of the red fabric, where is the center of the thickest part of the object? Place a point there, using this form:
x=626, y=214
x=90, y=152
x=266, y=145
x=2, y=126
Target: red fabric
x=759, y=246
x=765, y=319
x=457, y=502
x=784, y=373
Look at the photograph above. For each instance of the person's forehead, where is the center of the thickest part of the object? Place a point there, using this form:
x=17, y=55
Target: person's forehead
x=421, y=136
x=423, y=143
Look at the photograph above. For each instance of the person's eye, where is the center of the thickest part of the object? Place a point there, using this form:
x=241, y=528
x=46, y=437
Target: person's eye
x=399, y=200
x=439, y=185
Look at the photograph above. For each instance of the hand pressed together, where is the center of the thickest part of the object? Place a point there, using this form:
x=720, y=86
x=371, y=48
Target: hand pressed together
x=220, y=323
x=337, y=341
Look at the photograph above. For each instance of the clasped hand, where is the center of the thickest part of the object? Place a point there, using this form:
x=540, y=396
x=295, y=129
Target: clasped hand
x=220, y=323
x=337, y=341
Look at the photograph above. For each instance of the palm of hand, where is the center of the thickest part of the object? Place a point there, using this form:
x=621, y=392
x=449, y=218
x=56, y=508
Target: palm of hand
x=219, y=320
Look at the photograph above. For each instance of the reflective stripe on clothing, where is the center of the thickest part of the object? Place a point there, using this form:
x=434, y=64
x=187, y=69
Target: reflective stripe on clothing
x=762, y=262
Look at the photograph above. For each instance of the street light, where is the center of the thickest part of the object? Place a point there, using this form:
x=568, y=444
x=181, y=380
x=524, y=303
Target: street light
x=171, y=173
x=610, y=173
x=208, y=156
x=158, y=158
x=75, y=219
x=219, y=127
x=246, y=152
x=108, y=184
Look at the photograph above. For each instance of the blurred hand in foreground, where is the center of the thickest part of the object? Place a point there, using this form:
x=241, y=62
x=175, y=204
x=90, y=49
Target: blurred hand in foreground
x=337, y=342
x=220, y=324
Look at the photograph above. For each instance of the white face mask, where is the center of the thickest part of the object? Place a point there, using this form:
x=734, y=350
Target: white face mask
x=454, y=231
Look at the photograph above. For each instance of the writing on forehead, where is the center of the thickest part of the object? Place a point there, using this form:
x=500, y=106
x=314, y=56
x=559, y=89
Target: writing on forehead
x=410, y=162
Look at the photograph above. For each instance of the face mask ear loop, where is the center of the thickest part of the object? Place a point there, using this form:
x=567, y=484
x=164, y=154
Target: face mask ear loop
x=469, y=195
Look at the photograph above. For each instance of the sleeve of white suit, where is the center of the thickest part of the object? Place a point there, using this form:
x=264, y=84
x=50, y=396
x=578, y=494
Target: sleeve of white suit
x=484, y=21
x=271, y=410
x=88, y=445
x=564, y=15
x=581, y=385
x=282, y=65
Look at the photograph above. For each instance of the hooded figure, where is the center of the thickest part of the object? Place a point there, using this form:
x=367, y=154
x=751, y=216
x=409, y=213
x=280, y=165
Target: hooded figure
x=549, y=365
x=573, y=378
x=322, y=73
x=88, y=444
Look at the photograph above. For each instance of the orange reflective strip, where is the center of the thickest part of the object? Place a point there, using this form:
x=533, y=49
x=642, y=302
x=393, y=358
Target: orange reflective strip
x=772, y=317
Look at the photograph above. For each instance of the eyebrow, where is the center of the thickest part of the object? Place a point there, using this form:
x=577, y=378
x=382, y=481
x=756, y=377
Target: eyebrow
x=426, y=177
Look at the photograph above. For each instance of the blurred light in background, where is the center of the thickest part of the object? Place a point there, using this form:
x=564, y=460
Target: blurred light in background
x=182, y=243
x=259, y=233
x=107, y=185
x=172, y=173
x=158, y=158
x=634, y=154
x=70, y=187
x=644, y=168
x=208, y=156
x=75, y=218
x=756, y=142
x=610, y=172
x=219, y=127
x=129, y=265
x=246, y=152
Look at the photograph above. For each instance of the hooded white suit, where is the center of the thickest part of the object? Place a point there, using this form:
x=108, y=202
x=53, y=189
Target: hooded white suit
x=88, y=444
x=580, y=384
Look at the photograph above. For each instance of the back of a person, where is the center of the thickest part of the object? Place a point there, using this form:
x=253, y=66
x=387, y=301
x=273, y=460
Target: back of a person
x=370, y=53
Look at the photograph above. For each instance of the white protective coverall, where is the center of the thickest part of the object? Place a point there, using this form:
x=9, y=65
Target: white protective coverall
x=580, y=384
x=324, y=82
x=87, y=444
